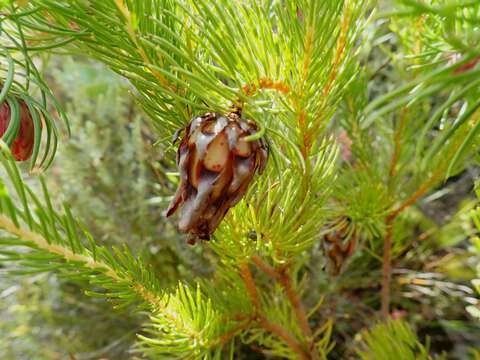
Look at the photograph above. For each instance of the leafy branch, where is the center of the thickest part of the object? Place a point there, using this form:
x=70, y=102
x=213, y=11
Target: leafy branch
x=266, y=324
x=56, y=239
x=61, y=243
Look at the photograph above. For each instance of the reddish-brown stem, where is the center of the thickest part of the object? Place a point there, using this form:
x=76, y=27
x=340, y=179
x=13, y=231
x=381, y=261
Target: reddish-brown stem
x=297, y=100
x=250, y=285
x=264, y=84
x=338, y=52
x=398, y=143
x=387, y=247
x=390, y=219
x=266, y=268
x=284, y=279
x=415, y=196
x=232, y=333
x=286, y=337
x=387, y=267
x=286, y=282
x=263, y=322
x=280, y=274
x=133, y=37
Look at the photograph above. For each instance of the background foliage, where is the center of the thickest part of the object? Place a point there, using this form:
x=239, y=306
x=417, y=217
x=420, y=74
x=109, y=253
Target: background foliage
x=371, y=114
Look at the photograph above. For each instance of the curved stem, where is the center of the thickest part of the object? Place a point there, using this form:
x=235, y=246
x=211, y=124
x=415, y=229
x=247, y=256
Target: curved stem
x=284, y=279
x=387, y=268
x=276, y=329
x=388, y=242
x=286, y=337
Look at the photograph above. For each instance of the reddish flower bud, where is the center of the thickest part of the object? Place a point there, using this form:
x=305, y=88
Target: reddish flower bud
x=339, y=244
x=467, y=66
x=22, y=146
x=216, y=167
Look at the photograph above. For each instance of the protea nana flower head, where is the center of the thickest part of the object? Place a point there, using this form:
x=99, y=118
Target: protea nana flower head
x=216, y=167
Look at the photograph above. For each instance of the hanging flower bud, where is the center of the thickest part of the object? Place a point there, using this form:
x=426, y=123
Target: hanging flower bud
x=216, y=167
x=339, y=244
x=22, y=145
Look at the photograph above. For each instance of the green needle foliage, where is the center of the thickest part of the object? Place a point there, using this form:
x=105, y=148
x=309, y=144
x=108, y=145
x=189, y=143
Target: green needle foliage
x=367, y=110
x=387, y=341
x=61, y=242
x=195, y=334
